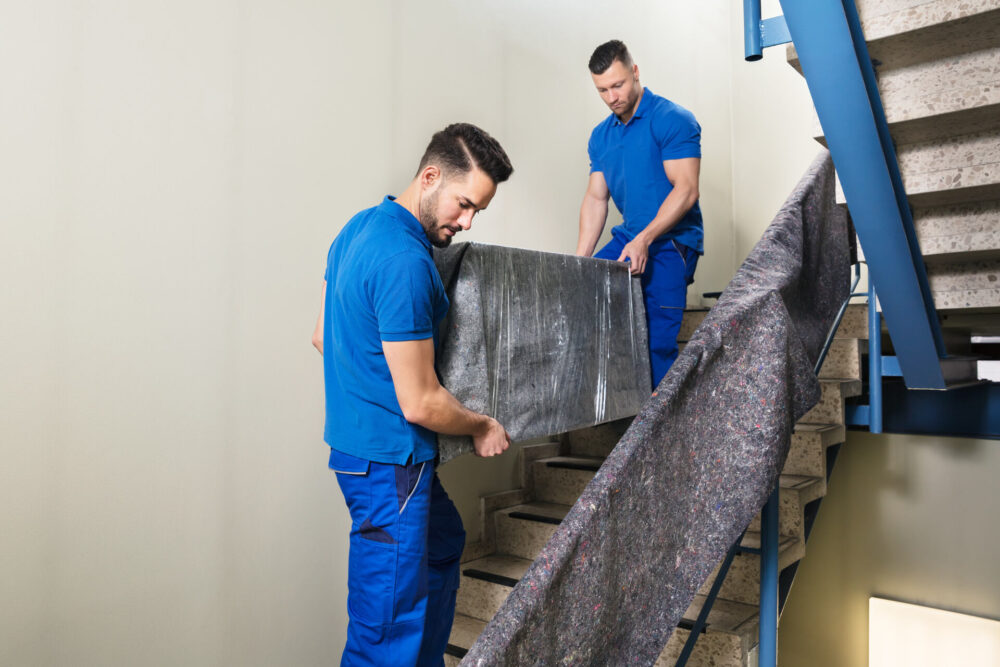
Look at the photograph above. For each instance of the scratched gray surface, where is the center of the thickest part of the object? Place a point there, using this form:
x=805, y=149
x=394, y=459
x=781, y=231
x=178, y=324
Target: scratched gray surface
x=696, y=465
x=543, y=342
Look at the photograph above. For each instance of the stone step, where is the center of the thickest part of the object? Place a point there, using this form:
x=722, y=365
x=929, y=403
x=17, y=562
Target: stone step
x=730, y=633
x=854, y=323
x=843, y=360
x=742, y=583
x=796, y=491
x=807, y=451
x=693, y=317
x=597, y=440
x=929, y=19
x=830, y=409
x=523, y=530
x=936, y=89
x=965, y=285
x=486, y=583
x=464, y=632
x=561, y=479
x=969, y=232
x=959, y=169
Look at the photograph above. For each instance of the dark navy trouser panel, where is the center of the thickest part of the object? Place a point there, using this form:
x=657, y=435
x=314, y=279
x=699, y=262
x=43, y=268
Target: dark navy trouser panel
x=396, y=604
x=669, y=270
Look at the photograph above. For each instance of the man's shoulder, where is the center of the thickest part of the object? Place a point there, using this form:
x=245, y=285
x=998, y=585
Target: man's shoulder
x=662, y=108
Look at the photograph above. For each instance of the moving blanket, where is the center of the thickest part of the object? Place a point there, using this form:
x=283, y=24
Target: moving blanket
x=697, y=463
x=545, y=343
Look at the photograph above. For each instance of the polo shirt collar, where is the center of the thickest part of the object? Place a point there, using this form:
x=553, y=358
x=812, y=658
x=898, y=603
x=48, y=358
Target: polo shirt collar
x=405, y=218
x=640, y=110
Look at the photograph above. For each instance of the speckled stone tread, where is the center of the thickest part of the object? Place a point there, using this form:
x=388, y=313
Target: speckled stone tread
x=843, y=360
x=830, y=408
x=742, y=583
x=561, y=479
x=959, y=169
x=698, y=462
x=965, y=285
x=855, y=322
x=807, y=453
x=524, y=538
x=968, y=232
x=478, y=596
x=796, y=491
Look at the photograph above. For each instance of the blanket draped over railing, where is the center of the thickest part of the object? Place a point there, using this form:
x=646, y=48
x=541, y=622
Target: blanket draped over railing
x=698, y=462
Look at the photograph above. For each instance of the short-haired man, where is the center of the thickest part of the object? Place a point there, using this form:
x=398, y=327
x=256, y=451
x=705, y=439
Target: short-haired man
x=377, y=331
x=646, y=156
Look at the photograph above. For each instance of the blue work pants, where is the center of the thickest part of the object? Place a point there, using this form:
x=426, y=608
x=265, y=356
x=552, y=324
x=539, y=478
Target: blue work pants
x=403, y=570
x=669, y=270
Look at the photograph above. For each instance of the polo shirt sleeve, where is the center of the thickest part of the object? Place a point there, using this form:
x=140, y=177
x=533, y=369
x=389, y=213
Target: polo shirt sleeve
x=402, y=290
x=594, y=151
x=677, y=134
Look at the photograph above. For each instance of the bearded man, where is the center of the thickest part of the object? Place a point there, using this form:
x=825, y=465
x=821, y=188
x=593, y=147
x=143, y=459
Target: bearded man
x=377, y=330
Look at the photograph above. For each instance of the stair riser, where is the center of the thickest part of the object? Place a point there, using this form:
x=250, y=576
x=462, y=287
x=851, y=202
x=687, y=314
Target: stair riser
x=843, y=359
x=559, y=485
x=742, y=583
x=713, y=649
x=598, y=440
x=854, y=323
x=958, y=233
x=806, y=456
x=480, y=599
x=830, y=409
x=522, y=538
x=790, y=510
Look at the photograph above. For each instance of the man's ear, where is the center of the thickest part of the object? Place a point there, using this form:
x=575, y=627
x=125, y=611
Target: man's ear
x=635, y=72
x=430, y=178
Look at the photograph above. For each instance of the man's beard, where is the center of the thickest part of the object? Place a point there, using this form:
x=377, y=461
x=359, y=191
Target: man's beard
x=429, y=221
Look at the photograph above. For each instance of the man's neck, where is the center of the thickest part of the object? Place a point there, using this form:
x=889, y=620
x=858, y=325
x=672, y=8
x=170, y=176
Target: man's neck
x=627, y=116
x=410, y=198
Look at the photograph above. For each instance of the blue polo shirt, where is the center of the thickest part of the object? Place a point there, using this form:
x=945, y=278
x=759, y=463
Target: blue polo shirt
x=631, y=155
x=381, y=285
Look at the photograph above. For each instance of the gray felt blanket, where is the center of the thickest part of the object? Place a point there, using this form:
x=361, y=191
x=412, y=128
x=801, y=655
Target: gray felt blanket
x=698, y=462
x=545, y=343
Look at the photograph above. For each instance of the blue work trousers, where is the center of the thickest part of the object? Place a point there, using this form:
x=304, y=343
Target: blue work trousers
x=403, y=570
x=669, y=270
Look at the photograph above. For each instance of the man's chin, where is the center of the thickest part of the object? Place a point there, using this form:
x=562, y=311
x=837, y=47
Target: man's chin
x=441, y=242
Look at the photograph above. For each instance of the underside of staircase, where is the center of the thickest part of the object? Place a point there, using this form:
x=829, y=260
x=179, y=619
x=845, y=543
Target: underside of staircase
x=937, y=65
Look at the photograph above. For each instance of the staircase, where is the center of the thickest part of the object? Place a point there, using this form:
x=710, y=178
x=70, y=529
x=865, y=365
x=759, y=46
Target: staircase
x=518, y=523
x=938, y=70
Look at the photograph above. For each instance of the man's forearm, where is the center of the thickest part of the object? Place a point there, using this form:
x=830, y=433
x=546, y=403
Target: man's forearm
x=439, y=411
x=674, y=207
x=593, y=216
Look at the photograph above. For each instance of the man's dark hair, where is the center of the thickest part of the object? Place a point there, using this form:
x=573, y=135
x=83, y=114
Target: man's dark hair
x=607, y=53
x=461, y=146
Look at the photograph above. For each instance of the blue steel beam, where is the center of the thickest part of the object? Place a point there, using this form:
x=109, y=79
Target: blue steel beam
x=838, y=71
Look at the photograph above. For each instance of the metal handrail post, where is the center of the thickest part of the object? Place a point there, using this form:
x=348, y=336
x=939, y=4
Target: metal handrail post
x=874, y=361
x=767, y=652
x=752, y=48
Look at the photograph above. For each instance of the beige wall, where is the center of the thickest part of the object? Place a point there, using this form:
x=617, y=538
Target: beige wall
x=173, y=173
x=910, y=518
